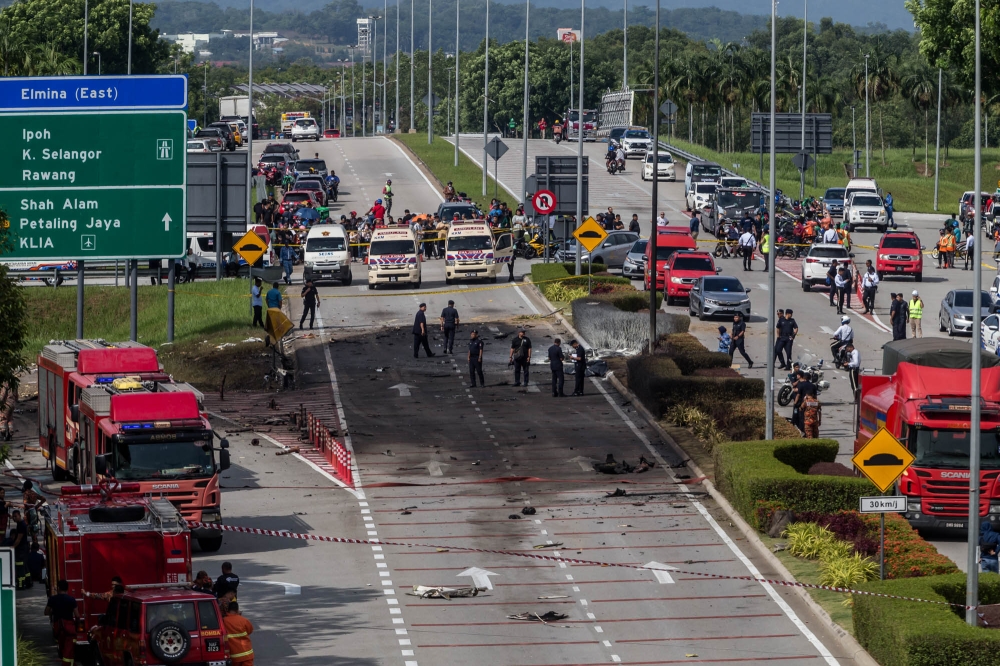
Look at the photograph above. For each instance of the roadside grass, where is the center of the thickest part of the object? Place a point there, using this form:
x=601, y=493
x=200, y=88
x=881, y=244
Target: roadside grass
x=901, y=175
x=206, y=314
x=28, y=653
x=439, y=158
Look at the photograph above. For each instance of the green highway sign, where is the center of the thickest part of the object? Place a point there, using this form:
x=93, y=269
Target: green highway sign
x=95, y=185
x=91, y=223
x=8, y=627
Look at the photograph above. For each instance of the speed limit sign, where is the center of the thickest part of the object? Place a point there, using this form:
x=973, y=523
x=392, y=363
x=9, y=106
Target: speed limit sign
x=544, y=202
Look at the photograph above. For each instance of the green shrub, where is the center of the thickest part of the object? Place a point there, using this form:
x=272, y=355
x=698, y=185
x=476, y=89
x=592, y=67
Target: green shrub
x=633, y=301
x=751, y=472
x=570, y=268
x=654, y=379
x=907, y=633
x=541, y=273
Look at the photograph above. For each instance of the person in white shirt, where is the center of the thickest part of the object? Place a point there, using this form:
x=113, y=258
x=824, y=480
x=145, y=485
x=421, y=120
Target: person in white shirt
x=869, y=285
x=831, y=236
x=842, y=337
x=970, y=248
x=853, y=367
x=747, y=245
x=662, y=220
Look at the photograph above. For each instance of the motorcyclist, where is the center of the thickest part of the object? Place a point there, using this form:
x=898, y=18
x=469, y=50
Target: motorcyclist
x=333, y=184
x=387, y=195
x=449, y=192
x=842, y=337
x=620, y=157
x=610, y=155
x=377, y=212
x=557, y=130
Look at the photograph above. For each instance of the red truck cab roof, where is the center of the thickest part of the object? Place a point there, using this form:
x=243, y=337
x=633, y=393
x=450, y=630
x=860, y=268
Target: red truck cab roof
x=113, y=360
x=132, y=407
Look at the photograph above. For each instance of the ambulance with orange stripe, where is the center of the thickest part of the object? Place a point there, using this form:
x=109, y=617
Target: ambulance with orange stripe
x=474, y=252
x=393, y=256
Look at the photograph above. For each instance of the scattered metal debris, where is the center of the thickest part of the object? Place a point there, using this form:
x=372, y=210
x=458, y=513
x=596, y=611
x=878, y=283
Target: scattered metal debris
x=425, y=592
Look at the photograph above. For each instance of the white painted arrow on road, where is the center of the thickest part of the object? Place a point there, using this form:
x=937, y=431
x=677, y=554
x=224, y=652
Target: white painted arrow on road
x=404, y=389
x=660, y=571
x=290, y=588
x=480, y=577
x=586, y=464
x=166, y=221
x=435, y=468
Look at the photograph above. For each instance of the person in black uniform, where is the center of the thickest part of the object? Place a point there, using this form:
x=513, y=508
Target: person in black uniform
x=420, y=332
x=786, y=329
x=831, y=279
x=739, y=338
x=899, y=312
x=227, y=582
x=510, y=268
x=62, y=611
x=310, y=297
x=579, y=358
x=520, y=356
x=476, y=360
x=556, y=365
x=449, y=321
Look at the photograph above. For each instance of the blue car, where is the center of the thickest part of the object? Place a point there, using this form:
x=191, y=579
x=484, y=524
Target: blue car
x=834, y=201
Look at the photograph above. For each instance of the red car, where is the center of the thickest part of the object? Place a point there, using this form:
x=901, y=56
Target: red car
x=681, y=271
x=899, y=253
x=296, y=198
x=668, y=241
x=161, y=625
x=331, y=133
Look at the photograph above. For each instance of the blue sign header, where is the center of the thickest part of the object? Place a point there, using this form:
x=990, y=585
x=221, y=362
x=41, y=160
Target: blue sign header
x=89, y=93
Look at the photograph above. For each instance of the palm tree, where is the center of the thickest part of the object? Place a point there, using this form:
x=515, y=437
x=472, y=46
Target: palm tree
x=13, y=48
x=919, y=87
x=883, y=80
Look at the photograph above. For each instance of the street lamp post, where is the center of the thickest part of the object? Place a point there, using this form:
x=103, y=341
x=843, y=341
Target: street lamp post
x=579, y=154
x=937, y=143
x=375, y=69
x=249, y=127
x=526, y=118
x=98, y=54
x=656, y=175
x=395, y=116
x=486, y=96
x=413, y=127
x=385, y=63
x=625, y=50
x=129, y=71
x=86, y=20
x=769, y=383
x=206, y=93
x=805, y=41
x=868, y=122
x=458, y=4
x=354, y=95
x=430, y=71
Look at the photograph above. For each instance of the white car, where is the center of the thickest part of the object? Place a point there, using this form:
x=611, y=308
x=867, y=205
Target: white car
x=990, y=327
x=734, y=181
x=865, y=209
x=700, y=195
x=199, y=146
x=817, y=262
x=665, y=167
x=635, y=142
x=305, y=128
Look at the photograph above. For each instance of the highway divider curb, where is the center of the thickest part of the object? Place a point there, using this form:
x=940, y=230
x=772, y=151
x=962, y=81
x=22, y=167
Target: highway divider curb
x=858, y=653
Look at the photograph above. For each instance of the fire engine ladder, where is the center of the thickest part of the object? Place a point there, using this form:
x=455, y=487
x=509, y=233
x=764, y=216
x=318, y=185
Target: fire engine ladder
x=72, y=559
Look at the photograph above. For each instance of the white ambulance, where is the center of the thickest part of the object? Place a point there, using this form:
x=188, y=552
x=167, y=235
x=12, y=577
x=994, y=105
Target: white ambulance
x=474, y=252
x=393, y=257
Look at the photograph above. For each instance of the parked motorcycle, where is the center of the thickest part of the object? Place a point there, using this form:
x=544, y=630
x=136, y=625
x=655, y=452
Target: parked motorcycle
x=814, y=373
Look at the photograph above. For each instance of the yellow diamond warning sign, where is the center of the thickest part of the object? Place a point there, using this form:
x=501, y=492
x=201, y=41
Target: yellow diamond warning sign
x=251, y=247
x=590, y=234
x=883, y=459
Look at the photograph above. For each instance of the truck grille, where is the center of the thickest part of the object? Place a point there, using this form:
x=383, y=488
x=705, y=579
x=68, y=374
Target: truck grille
x=950, y=498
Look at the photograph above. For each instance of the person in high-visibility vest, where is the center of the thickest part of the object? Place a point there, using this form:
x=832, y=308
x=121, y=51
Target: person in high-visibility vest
x=916, y=306
x=948, y=248
x=765, y=248
x=238, y=630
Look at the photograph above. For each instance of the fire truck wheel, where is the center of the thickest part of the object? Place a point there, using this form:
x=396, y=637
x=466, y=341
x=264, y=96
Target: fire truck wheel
x=169, y=642
x=210, y=544
x=58, y=473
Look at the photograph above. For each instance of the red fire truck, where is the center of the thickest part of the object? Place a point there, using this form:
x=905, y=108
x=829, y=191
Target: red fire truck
x=590, y=124
x=122, y=417
x=922, y=398
x=93, y=533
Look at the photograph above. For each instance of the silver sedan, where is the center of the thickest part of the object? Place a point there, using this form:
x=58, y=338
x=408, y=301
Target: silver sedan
x=956, y=311
x=713, y=295
x=635, y=261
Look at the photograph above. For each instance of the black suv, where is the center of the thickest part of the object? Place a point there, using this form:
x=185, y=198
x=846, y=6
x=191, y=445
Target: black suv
x=227, y=132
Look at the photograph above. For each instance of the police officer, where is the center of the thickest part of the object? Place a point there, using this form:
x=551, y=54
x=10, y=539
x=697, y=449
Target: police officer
x=420, y=332
x=476, y=359
x=738, y=338
x=556, y=366
x=898, y=314
x=869, y=285
x=579, y=358
x=853, y=367
x=786, y=329
x=449, y=321
x=520, y=356
x=310, y=298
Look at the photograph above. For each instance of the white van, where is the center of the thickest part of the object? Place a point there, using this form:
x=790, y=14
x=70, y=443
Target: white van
x=326, y=255
x=472, y=252
x=859, y=185
x=393, y=257
x=699, y=171
x=201, y=249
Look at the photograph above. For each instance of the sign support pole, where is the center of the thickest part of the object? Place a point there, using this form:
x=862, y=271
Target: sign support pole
x=79, y=299
x=881, y=546
x=171, y=282
x=218, y=216
x=134, y=314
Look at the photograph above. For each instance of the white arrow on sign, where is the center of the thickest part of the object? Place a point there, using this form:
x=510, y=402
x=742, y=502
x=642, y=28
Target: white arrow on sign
x=166, y=221
x=480, y=577
x=404, y=389
x=586, y=464
x=660, y=571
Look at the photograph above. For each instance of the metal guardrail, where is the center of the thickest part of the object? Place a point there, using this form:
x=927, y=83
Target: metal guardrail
x=692, y=157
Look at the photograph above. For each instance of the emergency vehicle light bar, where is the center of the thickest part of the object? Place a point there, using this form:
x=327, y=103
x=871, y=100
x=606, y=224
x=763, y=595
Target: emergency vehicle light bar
x=92, y=488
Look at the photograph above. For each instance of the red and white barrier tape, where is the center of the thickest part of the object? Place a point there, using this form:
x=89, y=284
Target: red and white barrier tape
x=551, y=558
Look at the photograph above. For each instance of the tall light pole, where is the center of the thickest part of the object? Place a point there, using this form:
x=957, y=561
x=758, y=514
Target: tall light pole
x=86, y=20
x=395, y=115
x=625, y=50
x=430, y=72
x=130, y=37
x=343, y=100
x=570, y=79
x=805, y=41
x=486, y=97
x=656, y=175
x=413, y=128
x=769, y=384
x=206, y=93
x=868, y=123
x=385, y=44
x=458, y=3
x=937, y=145
x=98, y=54
x=249, y=125
x=579, y=152
x=526, y=119
x=354, y=110
x=375, y=68
x=972, y=568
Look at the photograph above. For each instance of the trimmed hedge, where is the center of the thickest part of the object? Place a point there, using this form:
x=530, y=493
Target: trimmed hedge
x=544, y=272
x=908, y=633
x=750, y=473
x=570, y=268
x=633, y=301
x=659, y=382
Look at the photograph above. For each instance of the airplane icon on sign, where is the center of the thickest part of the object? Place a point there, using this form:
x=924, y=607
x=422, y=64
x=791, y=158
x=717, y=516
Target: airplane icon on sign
x=88, y=242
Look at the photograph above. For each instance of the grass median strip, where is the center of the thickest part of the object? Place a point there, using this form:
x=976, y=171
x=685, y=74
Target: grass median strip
x=439, y=158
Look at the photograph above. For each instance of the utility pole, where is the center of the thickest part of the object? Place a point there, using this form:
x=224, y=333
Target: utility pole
x=525, y=128
x=486, y=98
x=579, y=154
x=937, y=144
x=430, y=72
x=656, y=177
x=413, y=128
x=458, y=4
x=625, y=50
x=805, y=39
x=868, y=124
x=769, y=385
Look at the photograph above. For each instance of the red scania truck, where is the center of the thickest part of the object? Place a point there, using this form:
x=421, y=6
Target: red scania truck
x=110, y=411
x=922, y=397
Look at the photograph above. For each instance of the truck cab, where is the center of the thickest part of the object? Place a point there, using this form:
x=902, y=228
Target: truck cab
x=472, y=252
x=729, y=204
x=922, y=398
